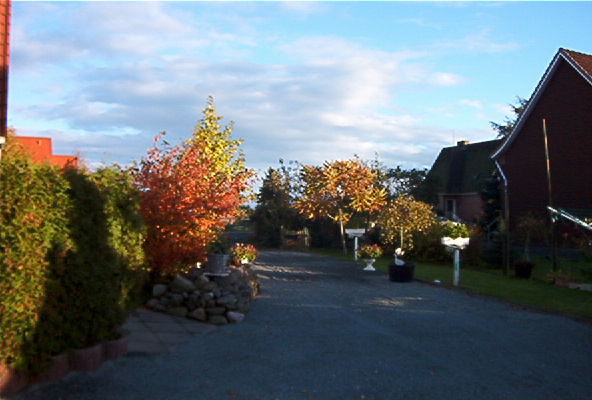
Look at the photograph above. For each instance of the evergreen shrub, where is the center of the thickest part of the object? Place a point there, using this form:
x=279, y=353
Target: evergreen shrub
x=71, y=258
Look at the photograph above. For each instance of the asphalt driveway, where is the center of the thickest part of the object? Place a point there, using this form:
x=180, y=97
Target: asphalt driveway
x=326, y=329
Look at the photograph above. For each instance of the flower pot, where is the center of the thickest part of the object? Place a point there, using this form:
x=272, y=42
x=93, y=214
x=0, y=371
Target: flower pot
x=87, y=359
x=58, y=370
x=401, y=273
x=523, y=268
x=369, y=264
x=562, y=282
x=217, y=264
x=11, y=381
x=117, y=348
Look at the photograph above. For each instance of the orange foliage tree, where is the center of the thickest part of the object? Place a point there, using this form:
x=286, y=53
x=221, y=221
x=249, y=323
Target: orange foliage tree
x=338, y=189
x=189, y=193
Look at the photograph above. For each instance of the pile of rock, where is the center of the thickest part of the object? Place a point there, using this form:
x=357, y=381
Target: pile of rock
x=198, y=295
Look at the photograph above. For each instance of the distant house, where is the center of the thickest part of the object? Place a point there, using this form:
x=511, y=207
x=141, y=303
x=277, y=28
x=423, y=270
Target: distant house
x=460, y=173
x=40, y=150
x=563, y=99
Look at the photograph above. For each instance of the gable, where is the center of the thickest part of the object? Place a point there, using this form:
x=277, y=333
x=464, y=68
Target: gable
x=464, y=168
x=580, y=62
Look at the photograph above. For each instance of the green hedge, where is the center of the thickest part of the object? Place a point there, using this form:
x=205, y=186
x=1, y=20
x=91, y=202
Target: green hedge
x=71, y=261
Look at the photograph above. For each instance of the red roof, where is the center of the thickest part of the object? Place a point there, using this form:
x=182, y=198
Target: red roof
x=583, y=62
x=40, y=150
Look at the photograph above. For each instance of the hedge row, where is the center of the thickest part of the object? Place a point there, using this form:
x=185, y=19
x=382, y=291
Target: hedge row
x=71, y=259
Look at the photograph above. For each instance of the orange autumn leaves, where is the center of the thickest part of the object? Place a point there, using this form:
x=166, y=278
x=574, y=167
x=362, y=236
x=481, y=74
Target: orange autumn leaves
x=338, y=189
x=190, y=192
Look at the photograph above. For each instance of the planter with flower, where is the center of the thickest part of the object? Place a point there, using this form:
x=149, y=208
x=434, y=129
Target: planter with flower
x=218, y=256
x=370, y=252
x=244, y=253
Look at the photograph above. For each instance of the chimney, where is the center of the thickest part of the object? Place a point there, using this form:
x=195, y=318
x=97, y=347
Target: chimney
x=462, y=143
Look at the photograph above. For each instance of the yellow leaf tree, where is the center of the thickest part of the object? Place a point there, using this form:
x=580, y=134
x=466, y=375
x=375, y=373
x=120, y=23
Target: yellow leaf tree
x=189, y=192
x=403, y=216
x=338, y=189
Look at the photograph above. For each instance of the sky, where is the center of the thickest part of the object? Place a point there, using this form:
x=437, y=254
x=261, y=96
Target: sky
x=304, y=81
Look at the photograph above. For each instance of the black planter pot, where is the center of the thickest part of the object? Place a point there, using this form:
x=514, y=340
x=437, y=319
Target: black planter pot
x=401, y=273
x=523, y=268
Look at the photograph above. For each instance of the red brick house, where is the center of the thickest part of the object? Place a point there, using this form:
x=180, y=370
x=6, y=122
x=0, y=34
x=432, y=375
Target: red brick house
x=40, y=150
x=460, y=172
x=563, y=99
x=5, y=13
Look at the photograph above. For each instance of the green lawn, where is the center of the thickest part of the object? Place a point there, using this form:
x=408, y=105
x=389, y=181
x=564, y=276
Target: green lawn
x=534, y=291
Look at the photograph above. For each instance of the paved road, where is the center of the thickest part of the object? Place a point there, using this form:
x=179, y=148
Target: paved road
x=325, y=329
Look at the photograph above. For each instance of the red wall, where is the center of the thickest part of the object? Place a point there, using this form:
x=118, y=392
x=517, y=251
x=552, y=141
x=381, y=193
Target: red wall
x=40, y=150
x=566, y=104
x=5, y=13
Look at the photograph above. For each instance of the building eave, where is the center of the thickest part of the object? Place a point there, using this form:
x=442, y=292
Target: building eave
x=546, y=78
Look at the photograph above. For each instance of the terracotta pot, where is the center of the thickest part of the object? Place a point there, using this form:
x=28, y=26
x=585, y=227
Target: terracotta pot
x=11, y=382
x=87, y=359
x=117, y=348
x=562, y=283
x=58, y=370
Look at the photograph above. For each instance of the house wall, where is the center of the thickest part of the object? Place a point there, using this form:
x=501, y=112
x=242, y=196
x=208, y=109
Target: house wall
x=566, y=104
x=40, y=150
x=5, y=16
x=468, y=206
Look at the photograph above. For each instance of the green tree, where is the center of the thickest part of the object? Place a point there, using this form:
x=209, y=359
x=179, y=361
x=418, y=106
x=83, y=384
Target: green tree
x=404, y=182
x=275, y=207
x=492, y=205
x=505, y=129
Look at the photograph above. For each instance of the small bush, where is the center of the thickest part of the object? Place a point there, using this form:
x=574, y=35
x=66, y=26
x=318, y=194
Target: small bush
x=428, y=245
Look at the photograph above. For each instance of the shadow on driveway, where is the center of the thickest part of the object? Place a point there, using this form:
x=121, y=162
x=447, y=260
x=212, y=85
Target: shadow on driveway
x=325, y=329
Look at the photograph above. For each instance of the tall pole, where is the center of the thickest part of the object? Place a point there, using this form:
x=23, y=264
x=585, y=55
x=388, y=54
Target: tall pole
x=553, y=235
x=456, y=274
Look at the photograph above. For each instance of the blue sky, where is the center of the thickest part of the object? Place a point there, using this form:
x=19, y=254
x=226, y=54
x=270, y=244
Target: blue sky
x=305, y=81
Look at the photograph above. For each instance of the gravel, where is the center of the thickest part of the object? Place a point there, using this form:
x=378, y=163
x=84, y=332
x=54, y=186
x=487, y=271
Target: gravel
x=326, y=329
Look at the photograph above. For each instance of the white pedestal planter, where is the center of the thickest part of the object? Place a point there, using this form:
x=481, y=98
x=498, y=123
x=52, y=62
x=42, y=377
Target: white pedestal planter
x=369, y=264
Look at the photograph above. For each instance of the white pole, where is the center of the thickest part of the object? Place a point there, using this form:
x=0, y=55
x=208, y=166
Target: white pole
x=356, y=248
x=456, y=267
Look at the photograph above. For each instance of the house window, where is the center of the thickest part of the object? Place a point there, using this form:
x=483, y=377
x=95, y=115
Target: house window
x=451, y=209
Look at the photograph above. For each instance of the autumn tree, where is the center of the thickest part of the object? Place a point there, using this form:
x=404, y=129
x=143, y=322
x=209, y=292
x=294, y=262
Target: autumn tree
x=190, y=192
x=339, y=189
x=403, y=216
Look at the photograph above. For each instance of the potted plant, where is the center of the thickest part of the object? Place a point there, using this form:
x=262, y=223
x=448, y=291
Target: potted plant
x=370, y=252
x=399, y=270
x=523, y=268
x=218, y=256
x=244, y=253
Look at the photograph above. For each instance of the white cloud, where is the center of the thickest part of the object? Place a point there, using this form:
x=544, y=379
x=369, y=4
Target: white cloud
x=479, y=42
x=146, y=67
x=445, y=79
x=471, y=103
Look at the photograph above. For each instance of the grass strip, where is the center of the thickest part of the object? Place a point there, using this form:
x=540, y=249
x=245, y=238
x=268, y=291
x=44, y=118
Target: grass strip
x=535, y=291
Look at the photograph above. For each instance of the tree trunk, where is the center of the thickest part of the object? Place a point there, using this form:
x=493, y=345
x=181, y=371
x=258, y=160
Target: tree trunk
x=342, y=232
